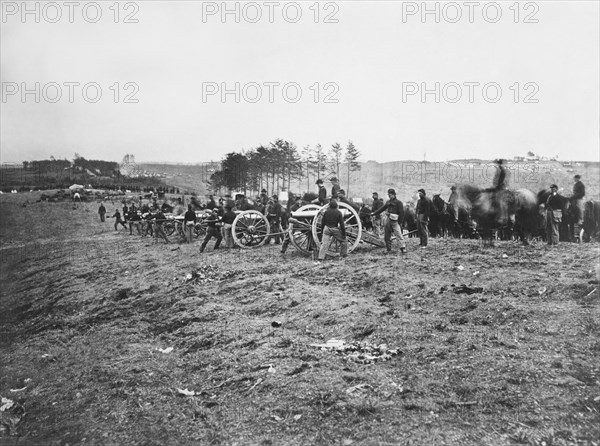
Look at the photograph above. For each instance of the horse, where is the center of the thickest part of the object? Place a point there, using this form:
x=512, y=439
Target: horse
x=591, y=220
x=440, y=219
x=505, y=209
x=410, y=219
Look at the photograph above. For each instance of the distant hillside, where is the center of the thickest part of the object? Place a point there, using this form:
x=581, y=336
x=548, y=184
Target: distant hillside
x=190, y=178
x=408, y=176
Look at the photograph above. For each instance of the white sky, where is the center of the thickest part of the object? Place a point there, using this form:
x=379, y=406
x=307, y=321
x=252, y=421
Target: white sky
x=368, y=54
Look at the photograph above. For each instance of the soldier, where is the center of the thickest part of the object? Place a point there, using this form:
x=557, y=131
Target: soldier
x=274, y=214
x=554, y=208
x=322, y=198
x=500, y=176
x=211, y=203
x=377, y=203
x=264, y=198
x=118, y=220
x=228, y=219
x=212, y=230
x=453, y=203
x=333, y=228
x=135, y=220
x=159, y=231
x=297, y=204
x=125, y=212
x=342, y=199
x=395, y=213
x=423, y=211
x=102, y=212
x=365, y=216
x=335, y=188
x=577, y=203
x=189, y=221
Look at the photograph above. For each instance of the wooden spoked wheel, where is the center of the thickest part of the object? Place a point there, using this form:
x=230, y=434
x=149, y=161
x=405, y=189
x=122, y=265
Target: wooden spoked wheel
x=300, y=228
x=250, y=229
x=351, y=221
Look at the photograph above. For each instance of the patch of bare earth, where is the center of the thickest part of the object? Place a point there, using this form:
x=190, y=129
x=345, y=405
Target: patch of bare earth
x=495, y=346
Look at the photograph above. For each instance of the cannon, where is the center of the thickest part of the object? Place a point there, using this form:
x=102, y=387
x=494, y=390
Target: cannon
x=251, y=229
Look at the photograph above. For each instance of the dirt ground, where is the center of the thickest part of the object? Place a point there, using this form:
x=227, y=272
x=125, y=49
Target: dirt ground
x=114, y=339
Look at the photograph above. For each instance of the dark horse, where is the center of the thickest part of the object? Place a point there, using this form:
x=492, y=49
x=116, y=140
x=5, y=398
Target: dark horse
x=591, y=221
x=441, y=219
x=499, y=210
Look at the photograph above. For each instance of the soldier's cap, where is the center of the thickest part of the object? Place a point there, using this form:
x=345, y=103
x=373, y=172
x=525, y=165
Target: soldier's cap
x=453, y=188
x=391, y=191
x=334, y=179
x=577, y=177
x=375, y=193
x=263, y=191
x=553, y=186
x=422, y=191
x=319, y=181
x=275, y=197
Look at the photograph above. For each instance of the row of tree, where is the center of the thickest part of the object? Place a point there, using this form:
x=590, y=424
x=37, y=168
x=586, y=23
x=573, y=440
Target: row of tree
x=280, y=165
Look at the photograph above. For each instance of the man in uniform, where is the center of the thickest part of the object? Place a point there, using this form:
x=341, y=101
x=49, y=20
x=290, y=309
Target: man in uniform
x=159, y=231
x=189, y=221
x=228, y=219
x=342, y=199
x=135, y=221
x=274, y=214
x=377, y=203
x=453, y=202
x=211, y=203
x=102, y=212
x=554, y=207
x=212, y=230
x=322, y=198
x=118, y=220
x=395, y=212
x=577, y=203
x=333, y=228
x=423, y=211
x=335, y=188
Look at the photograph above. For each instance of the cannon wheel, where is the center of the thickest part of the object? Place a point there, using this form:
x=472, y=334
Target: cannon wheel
x=351, y=221
x=300, y=232
x=170, y=226
x=250, y=229
x=200, y=227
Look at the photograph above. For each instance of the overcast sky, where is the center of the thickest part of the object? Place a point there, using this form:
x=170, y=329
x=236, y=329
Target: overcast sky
x=370, y=64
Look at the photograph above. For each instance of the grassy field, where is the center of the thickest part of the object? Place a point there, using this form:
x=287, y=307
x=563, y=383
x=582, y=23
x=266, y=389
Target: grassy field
x=114, y=339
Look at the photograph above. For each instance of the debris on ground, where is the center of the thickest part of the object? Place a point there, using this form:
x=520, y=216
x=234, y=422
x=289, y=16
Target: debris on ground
x=464, y=289
x=165, y=350
x=359, y=352
x=206, y=274
x=11, y=414
x=186, y=392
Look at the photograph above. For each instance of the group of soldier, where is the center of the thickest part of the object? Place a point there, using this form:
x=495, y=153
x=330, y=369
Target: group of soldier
x=149, y=218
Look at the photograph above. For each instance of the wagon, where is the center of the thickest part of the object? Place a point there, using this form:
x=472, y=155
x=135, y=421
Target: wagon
x=251, y=229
